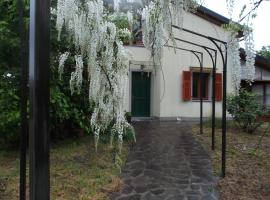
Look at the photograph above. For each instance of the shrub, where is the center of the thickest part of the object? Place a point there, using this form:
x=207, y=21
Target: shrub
x=245, y=109
x=121, y=20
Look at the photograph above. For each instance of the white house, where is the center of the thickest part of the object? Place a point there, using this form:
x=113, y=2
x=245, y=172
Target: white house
x=173, y=92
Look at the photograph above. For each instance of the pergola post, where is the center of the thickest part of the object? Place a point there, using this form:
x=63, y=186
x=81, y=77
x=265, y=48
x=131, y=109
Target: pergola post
x=39, y=54
x=214, y=63
x=201, y=96
x=224, y=115
x=214, y=102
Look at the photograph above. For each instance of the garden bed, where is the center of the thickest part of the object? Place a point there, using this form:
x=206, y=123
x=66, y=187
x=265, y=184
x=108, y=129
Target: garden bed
x=77, y=172
x=248, y=167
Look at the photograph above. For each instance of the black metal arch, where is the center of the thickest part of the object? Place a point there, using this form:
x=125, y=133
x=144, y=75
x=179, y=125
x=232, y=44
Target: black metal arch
x=224, y=55
x=209, y=50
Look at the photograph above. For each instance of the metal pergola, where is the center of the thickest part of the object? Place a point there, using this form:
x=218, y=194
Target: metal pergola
x=39, y=76
x=210, y=51
x=219, y=44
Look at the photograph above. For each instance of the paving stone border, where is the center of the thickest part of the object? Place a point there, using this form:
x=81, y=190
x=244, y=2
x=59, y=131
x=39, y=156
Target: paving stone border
x=167, y=164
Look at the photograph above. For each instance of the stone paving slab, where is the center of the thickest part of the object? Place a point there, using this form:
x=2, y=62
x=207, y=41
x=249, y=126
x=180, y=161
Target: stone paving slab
x=167, y=164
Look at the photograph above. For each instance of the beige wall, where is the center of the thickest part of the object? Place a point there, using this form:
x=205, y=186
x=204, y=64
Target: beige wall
x=166, y=96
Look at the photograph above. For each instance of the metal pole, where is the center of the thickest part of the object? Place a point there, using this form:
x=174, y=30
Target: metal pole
x=39, y=99
x=224, y=122
x=200, y=59
x=214, y=61
x=188, y=50
x=201, y=96
x=23, y=99
x=214, y=102
x=192, y=43
x=224, y=116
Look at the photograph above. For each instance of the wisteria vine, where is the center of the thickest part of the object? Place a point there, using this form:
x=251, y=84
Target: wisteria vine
x=158, y=17
x=100, y=52
x=246, y=72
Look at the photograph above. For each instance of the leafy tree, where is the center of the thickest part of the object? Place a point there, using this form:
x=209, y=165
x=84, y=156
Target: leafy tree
x=265, y=51
x=9, y=70
x=66, y=111
x=9, y=104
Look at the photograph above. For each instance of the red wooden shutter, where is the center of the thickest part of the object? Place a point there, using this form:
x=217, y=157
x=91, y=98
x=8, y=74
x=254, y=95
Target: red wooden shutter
x=218, y=87
x=186, y=85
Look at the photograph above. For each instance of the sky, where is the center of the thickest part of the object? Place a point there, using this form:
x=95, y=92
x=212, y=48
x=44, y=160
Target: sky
x=261, y=23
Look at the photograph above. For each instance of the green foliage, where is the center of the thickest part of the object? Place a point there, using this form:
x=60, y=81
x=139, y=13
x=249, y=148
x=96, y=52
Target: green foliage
x=120, y=20
x=9, y=33
x=9, y=106
x=265, y=52
x=245, y=109
x=10, y=71
x=123, y=25
x=129, y=134
x=124, y=35
x=128, y=114
x=66, y=112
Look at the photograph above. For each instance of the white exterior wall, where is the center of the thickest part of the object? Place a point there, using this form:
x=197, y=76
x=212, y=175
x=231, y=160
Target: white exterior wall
x=166, y=95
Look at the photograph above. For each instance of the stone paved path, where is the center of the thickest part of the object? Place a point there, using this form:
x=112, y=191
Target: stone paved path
x=167, y=164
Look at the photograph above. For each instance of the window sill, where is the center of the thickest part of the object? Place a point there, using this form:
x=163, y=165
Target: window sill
x=204, y=100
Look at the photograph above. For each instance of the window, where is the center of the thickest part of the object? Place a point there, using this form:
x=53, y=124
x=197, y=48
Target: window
x=196, y=85
x=191, y=85
x=262, y=90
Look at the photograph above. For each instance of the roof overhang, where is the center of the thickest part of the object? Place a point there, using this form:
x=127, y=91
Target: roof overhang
x=260, y=61
x=211, y=16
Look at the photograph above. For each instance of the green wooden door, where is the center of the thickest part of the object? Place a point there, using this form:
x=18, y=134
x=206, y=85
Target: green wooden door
x=141, y=83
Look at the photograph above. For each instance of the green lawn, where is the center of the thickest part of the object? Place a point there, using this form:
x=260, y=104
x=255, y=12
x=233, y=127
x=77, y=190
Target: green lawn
x=77, y=172
x=248, y=167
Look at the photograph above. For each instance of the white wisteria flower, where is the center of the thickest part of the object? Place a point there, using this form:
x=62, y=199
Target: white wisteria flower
x=158, y=18
x=100, y=52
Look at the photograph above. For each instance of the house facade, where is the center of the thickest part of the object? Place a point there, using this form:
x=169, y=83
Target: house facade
x=172, y=91
x=261, y=83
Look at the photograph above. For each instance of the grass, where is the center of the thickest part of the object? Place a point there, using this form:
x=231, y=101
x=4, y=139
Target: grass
x=77, y=171
x=248, y=167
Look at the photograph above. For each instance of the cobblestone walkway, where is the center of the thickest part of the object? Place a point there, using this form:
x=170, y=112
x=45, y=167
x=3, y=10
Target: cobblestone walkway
x=167, y=164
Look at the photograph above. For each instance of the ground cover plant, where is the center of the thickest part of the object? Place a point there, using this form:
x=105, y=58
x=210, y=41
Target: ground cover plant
x=77, y=172
x=248, y=161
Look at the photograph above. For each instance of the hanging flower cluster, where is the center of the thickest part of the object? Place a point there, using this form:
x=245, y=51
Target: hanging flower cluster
x=99, y=50
x=230, y=6
x=153, y=30
x=235, y=65
x=250, y=55
x=248, y=71
x=238, y=72
x=158, y=17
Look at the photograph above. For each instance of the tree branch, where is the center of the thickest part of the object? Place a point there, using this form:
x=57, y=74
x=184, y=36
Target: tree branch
x=256, y=5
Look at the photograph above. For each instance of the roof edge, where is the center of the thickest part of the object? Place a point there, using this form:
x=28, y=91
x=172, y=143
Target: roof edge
x=211, y=16
x=260, y=61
